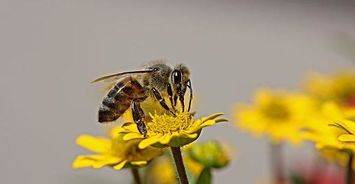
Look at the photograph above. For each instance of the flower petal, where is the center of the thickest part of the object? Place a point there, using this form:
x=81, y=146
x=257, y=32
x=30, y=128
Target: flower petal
x=107, y=160
x=149, y=141
x=83, y=161
x=139, y=163
x=208, y=123
x=212, y=116
x=120, y=165
x=347, y=138
x=95, y=144
x=349, y=125
x=165, y=139
x=132, y=135
x=204, y=119
x=191, y=136
x=94, y=161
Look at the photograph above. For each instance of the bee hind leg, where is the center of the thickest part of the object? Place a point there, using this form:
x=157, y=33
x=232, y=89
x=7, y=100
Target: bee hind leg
x=138, y=117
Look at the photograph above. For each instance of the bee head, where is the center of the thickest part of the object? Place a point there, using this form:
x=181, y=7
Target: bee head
x=180, y=80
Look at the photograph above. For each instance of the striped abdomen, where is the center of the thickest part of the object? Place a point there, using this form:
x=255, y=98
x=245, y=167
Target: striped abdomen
x=119, y=99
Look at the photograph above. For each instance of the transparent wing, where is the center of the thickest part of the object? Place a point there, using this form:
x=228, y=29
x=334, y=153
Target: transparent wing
x=113, y=77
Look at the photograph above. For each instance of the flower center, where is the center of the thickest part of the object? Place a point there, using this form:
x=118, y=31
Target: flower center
x=276, y=110
x=165, y=123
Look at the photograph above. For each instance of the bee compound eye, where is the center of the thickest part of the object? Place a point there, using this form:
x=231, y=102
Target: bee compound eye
x=177, y=76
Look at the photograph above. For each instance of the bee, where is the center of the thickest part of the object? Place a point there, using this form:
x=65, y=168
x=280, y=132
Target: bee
x=156, y=80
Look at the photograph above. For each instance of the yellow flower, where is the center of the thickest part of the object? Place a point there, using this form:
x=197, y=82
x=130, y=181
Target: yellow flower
x=278, y=114
x=113, y=152
x=166, y=130
x=339, y=87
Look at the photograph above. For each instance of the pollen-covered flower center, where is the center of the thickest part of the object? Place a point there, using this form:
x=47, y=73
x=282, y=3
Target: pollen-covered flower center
x=168, y=124
x=276, y=110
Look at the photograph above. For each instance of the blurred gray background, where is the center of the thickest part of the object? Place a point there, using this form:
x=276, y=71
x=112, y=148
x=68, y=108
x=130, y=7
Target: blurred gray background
x=51, y=49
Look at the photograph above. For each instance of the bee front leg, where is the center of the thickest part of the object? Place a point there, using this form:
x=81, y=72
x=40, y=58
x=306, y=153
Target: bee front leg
x=161, y=100
x=138, y=117
x=170, y=93
x=189, y=85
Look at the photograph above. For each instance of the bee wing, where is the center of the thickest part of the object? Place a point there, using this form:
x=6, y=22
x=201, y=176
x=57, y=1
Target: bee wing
x=113, y=77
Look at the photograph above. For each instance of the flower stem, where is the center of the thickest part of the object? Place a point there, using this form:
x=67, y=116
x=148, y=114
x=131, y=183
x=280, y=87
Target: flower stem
x=349, y=170
x=276, y=159
x=135, y=173
x=179, y=164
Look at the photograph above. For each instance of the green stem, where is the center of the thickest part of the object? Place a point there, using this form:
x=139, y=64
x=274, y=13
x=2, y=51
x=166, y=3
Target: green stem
x=135, y=174
x=349, y=170
x=276, y=159
x=179, y=164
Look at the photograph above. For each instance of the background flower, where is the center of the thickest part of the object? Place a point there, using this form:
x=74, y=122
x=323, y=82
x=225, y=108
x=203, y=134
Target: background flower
x=278, y=114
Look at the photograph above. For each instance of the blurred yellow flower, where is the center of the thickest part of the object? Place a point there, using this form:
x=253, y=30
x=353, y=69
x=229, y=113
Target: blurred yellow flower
x=167, y=130
x=278, y=114
x=339, y=87
x=113, y=152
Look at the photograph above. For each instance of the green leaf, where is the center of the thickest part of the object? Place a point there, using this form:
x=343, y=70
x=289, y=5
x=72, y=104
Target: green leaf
x=205, y=176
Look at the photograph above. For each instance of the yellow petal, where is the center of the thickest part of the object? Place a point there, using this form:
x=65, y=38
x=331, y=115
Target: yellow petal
x=149, y=141
x=347, y=138
x=207, y=118
x=83, y=161
x=165, y=139
x=132, y=135
x=139, y=163
x=95, y=144
x=120, y=165
x=221, y=120
x=191, y=136
x=208, y=123
x=212, y=116
x=107, y=160
x=349, y=125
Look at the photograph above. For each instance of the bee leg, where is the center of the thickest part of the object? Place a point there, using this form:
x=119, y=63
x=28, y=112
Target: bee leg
x=191, y=95
x=175, y=99
x=181, y=99
x=170, y=93
x=162, y=101
x=138, y=117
